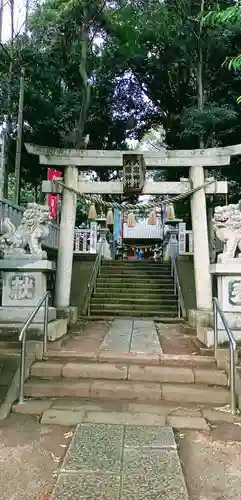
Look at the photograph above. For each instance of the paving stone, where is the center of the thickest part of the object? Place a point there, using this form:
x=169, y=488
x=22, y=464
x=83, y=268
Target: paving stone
x=152, y=437
x=145, y=338
x=87, y=486
x=145, y=347
x=32, y=407
x=46, y=369
x=62, y=417
x=95, y=448
x=161, y=374
x=187, y=422
x=138, y=419
x=152, y=475
x=128, y=390
x=95, y=370
x=116, y=340
x=120, y=324
x=193, y=393
x=210, y=377
x=142, y=323
x=120, y=347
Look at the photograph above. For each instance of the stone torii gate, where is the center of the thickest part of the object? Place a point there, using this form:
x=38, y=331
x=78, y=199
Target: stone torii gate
x=70, y=160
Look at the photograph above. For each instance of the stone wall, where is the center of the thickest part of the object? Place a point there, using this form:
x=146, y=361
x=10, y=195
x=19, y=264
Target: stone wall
x=82, y=269
x=185, y=268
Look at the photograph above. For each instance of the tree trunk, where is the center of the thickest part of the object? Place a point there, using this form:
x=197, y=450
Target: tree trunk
x=200, y=90
x=1, y=19
x=9, y=124
x=79, y=140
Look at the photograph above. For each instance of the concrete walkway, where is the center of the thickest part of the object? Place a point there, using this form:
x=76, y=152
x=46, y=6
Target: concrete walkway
x=123, y=462
x=118, y=462
x=138, y=336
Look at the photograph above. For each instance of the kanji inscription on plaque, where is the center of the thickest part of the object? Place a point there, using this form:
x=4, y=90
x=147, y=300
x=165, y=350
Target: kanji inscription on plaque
x=22, y=287
x=234, y=293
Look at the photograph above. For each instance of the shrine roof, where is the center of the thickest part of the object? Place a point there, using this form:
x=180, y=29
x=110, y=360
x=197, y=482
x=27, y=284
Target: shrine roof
x=143, y=231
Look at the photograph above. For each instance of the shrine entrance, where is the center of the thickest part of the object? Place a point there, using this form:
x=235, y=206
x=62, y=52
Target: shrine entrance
x=134, y=165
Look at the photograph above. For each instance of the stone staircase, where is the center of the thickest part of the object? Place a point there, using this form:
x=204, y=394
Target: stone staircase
x=143, y=379
x=127, y=370
x=127, y=288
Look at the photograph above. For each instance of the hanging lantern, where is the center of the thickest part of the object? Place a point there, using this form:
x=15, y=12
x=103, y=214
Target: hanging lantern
x=152, y=218
x=92, y=215
x=170, y=212
x=131, y=221
x=109, y=218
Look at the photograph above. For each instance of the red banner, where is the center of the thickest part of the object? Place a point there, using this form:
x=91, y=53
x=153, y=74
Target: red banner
x=53, y=198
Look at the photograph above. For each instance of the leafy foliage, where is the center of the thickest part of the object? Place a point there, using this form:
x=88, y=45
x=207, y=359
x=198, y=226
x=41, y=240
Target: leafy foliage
x=141, y=68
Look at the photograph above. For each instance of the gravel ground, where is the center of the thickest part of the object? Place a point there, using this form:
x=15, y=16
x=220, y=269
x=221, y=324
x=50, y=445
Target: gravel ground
x=29, y=457
x=211, y=462
x=30, y=454
x=174, y=342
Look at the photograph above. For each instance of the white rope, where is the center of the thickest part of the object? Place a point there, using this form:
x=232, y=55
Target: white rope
x=129, y=206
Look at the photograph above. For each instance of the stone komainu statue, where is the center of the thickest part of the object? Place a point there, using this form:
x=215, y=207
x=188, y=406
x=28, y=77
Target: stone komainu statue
x=26, y=240
x=227, y=227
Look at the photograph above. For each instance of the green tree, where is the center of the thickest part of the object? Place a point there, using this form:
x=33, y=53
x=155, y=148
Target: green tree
x=142, y=67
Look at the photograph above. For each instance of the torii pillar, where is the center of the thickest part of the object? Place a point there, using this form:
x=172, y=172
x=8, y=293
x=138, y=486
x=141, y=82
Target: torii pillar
x=66, y=239
x=201, y=256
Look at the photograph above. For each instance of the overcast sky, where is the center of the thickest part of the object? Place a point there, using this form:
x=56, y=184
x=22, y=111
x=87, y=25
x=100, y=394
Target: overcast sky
x=18, y=18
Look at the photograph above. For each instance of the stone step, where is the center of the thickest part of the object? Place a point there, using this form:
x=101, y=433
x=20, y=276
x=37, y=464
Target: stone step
x=154, y=272
x=129, y=358
x=135, y=295
x=130, y=300
x=155, y=278
x=136, y=292
x=71, y=411
x=136, y=264
x=136, y=277
x=130, y=286
x=127, y=391
x=139, y=313
x=123, y=282
x=135, y=305
x=50, y=369
x=171, y=320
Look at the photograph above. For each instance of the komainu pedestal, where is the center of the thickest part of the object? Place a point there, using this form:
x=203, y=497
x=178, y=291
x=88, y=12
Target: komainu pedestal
x=24, y=283
x=227, y=271
x=229, y=296
x=25, y=269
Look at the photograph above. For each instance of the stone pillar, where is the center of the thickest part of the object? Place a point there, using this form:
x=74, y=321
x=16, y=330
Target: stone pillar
x=200, y=240
x=66, y=240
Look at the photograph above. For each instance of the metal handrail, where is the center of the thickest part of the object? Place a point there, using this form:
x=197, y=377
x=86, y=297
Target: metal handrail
x=22, y=338
x=177, y=286
x=232, y=348
x=92, y=284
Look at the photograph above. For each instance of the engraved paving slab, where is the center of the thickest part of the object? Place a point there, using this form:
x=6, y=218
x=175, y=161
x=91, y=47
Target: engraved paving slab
x=138, y=336
x=123, y=462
